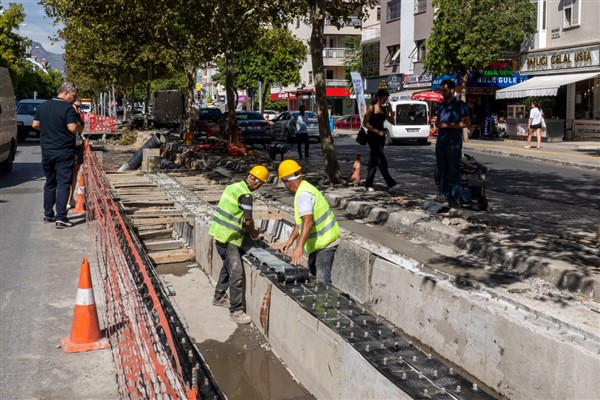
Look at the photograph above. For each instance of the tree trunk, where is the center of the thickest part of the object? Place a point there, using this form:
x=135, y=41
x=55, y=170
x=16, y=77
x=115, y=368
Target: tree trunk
x=148, y=89
x=190, y=72
x=463, y=97
x=332, y=167
x=231, y=97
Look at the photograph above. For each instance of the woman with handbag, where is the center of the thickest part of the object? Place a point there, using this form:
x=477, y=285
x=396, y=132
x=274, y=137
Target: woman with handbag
x=374, y=118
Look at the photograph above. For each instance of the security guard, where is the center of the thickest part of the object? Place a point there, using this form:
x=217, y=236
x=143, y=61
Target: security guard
x=231, y=221
x=316, y=226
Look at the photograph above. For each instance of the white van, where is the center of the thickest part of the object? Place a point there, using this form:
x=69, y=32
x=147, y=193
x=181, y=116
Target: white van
x=411, y=121
x=8, y=122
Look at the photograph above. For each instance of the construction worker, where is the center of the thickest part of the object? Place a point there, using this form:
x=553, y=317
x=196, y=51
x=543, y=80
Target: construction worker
x=231, y=222
x=316, y=228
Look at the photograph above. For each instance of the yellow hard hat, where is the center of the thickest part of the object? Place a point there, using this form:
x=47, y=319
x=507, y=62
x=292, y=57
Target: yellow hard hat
x=260, y=172
x=287, y=168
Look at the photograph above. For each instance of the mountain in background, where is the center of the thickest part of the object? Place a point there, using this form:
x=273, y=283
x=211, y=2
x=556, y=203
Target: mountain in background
x=56, y=61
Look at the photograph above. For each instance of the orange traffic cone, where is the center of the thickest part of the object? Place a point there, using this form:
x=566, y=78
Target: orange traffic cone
x=355, y=177
x=85, y=330
x=80, y=201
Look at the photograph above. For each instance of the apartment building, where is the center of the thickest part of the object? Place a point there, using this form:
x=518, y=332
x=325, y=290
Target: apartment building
x=563, y=64
x=335, y=52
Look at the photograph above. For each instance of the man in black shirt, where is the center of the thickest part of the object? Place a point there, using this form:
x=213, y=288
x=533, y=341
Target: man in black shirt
x=57, y=121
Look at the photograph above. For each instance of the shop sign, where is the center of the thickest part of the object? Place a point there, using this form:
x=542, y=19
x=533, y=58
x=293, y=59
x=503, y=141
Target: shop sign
x=499, y=68
x=417, y=81
x=555, y=33
x=571, y=59
x=392, y=83
x=498, y=81
x=586, y=130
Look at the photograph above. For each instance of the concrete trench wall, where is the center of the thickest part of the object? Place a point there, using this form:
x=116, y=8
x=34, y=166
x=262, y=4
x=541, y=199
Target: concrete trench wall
x=505, y=347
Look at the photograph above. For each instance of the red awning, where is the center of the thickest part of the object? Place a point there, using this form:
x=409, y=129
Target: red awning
x=428, y=96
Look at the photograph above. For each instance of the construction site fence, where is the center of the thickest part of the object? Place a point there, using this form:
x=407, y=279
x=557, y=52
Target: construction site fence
x=154, y=356
x=97, y=123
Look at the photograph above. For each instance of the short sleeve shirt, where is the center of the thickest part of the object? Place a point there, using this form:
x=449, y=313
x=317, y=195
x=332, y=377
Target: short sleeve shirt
x=451, y=113
x=55, y=138
x=305, y=203
x=301, y=124
x=535, y=115
x=245, y=204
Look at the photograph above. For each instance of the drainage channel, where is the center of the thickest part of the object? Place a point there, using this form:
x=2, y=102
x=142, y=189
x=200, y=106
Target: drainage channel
x=243, y=363
x=421, y=375
x=417, y=373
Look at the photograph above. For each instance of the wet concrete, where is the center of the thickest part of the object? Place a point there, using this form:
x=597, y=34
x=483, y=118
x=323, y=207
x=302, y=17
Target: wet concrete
x=245, y=368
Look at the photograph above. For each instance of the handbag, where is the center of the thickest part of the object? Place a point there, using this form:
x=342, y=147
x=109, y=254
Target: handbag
x=361, y=137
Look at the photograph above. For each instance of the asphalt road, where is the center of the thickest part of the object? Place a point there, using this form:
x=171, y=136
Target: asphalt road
x=546, y=192
x=39, y=270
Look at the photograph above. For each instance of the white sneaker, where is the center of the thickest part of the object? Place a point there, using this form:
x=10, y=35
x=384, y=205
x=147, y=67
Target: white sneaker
x=395, y=188
x=240, y=317
x=369, y=189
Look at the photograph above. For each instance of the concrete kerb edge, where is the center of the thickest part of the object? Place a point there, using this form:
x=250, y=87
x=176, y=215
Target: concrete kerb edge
x=534, y=158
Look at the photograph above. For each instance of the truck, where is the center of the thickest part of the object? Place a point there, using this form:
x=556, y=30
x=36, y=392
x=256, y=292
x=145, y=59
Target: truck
x=8, y=122
x=168, y=109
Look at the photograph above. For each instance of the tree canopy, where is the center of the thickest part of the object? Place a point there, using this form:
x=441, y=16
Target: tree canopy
x=472, y=34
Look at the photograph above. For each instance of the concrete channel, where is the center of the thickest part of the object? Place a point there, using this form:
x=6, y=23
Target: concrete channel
x=389, y=328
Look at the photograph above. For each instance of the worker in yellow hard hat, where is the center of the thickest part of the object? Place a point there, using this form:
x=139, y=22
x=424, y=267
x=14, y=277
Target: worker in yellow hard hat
x=231, y=221
x=316, y=227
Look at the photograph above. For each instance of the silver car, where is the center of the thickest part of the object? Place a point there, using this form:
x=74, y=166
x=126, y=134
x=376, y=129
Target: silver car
x=284, y=129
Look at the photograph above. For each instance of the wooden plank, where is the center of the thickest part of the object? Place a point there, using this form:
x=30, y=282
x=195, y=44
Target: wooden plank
x=145, y=228
x=161, y=220
x=161, y=245
x=264, y=216
x=167, y=257
x=149, y=203
x=154, y=234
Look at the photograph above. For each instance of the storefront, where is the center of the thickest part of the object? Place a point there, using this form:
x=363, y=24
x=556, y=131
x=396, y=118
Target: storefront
x=414, y=83
x=338, y=99
x=393, y=83
x=567, y=84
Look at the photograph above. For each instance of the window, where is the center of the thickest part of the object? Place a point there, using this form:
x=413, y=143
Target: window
x=421, y=49
x=393, y=56
x=310, y=77
x=393, y=10
x=544, y=15
x=420, y=6
x=378, y=13
x=571, y=13
x=329, y=74
x=370, y=59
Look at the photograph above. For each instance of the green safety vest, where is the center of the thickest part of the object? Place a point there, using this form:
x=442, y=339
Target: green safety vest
x=325, y=229
x=227, y=225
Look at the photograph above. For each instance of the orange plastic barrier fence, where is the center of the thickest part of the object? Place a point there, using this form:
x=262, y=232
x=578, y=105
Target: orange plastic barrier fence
x=97, y=123
x=152, y=352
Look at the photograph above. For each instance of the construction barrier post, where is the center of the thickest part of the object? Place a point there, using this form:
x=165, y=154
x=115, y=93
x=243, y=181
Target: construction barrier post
x=80, y=201
x=355, y=177
x=85, y=329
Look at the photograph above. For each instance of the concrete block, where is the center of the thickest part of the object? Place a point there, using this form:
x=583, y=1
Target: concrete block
x=146, y=155
x=351, y=270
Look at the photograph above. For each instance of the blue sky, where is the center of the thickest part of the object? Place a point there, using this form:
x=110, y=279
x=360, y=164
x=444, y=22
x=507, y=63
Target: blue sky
x=37, y=26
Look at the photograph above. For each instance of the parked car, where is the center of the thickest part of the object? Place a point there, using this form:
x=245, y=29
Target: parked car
x=8, y=122
x=411, y=121
x=269, y=114
x=253, y=126
x=26, y=110
x=209, y=114
x=285, y=131
x=348, y=122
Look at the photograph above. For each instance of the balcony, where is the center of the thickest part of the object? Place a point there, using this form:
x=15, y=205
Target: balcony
x=331, y=52
x=355, y=22
x=371, y=33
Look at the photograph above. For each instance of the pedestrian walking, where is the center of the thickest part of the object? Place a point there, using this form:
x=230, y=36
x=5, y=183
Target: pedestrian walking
x=377, y=112
x=78, y=151
x=299, y=123
x=230, y=227
x=56, y=120
x=535, y=124
x=453, y=116
x=316, y=228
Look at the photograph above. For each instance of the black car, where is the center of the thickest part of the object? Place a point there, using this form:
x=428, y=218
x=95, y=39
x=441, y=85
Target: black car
x=254, y=127
x=210, y=115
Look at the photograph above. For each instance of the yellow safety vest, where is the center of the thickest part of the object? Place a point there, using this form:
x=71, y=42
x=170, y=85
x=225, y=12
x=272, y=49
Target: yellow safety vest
x=325, y=229
x=227, y=225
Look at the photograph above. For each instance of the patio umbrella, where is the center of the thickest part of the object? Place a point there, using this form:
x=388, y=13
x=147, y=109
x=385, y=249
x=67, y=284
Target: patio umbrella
x=428, y=96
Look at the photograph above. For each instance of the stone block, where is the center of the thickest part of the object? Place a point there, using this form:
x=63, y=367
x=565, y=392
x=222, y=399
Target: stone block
x=146, y=155
x=351, y=270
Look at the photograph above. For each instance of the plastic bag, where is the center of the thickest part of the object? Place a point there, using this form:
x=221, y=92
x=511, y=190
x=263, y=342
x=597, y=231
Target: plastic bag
x=361, y=137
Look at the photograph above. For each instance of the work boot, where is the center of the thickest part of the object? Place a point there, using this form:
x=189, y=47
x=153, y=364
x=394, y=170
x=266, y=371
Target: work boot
x=240, y=317
x=222, y=302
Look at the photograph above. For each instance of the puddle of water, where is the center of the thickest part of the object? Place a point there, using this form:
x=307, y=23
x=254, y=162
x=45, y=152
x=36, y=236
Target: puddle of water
x=245, y=370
